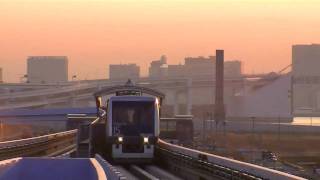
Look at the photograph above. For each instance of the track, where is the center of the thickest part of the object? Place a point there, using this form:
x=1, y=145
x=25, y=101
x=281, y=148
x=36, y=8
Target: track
x=145, y=172
x=48, y=145
x=125, y=172
x=160, y=173
x=182, y=161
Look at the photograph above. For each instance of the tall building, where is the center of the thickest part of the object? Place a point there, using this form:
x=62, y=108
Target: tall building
x=1, y=80
x=200, y=66
x=175, y=71
x=47, y=69
x=159, y=68
x=306, y=78
x=124, y=71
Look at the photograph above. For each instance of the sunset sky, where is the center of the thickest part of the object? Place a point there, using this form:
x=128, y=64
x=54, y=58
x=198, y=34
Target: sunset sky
x=96, y=33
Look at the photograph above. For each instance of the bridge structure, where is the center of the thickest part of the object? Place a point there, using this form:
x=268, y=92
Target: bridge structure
x=182, y=94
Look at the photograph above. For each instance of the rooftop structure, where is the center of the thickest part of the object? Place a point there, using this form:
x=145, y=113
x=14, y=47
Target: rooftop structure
x=158, y=68
x=124, y=71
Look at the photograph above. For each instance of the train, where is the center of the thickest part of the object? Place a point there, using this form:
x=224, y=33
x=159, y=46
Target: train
x=132, y=116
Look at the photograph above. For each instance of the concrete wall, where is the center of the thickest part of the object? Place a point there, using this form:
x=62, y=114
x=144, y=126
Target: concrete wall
x=306, y=78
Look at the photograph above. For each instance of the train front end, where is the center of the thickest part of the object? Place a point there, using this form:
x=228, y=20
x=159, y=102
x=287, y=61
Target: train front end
x=132, y=128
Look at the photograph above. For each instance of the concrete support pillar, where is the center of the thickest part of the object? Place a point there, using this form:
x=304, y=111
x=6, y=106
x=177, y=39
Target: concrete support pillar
x=189, y=97
x=175, y=103
x=73, y=102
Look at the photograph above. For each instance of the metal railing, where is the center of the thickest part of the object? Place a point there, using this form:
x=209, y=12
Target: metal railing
x=38, y=146
x=109, y=170
x=220, y=166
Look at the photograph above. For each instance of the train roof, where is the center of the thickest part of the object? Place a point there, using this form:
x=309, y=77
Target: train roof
x=132, y=98
x=129, y=87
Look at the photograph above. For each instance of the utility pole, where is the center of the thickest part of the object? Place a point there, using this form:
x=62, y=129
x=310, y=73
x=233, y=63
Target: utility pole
x=253, y=139
x=253, y=132
x=203, y=128
x=278, y=128
x=210, y=115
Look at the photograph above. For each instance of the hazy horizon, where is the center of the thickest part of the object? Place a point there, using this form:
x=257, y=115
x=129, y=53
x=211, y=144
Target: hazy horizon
x=94, y=34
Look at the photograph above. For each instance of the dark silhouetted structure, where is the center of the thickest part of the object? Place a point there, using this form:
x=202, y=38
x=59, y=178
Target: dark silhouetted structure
x=219, y=112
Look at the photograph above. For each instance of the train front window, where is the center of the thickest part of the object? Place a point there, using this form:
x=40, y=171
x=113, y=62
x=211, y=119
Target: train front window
x=131, y=118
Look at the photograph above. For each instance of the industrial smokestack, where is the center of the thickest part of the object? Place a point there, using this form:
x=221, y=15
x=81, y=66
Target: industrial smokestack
x=219, y=112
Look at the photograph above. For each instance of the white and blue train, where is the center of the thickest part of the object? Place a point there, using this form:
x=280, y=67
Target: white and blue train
x=132, y=122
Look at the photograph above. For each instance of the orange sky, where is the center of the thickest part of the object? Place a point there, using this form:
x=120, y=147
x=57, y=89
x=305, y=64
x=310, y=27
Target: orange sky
x=95, y=33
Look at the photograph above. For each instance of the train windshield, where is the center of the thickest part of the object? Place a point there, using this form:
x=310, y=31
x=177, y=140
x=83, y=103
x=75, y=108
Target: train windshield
x=131, y=118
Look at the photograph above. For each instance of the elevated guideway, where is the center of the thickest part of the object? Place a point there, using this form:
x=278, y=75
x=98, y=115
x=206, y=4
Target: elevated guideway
x=192, y=163
x=37, y=169
x=48, y=145
x=180, y=161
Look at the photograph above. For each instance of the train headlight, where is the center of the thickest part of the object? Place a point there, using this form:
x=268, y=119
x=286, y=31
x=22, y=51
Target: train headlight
x=120, y=139
x=146, y=140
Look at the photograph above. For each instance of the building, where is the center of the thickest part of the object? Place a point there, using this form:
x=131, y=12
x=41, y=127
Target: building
x=200, y=66
x=158, y=68
x=124, y=71
x=306, y=78
x=176, y=71
x=194, y=67
x=47, y=69
x=1, y=80
x=274, y=95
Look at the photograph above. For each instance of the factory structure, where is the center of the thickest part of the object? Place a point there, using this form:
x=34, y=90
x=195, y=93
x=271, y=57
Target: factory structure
x=306, y=79
x=296, y=93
